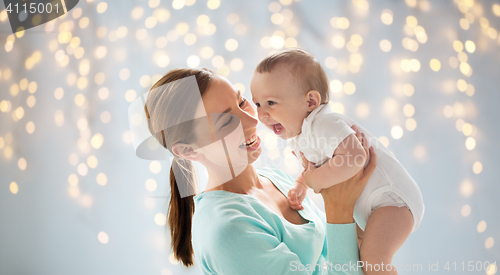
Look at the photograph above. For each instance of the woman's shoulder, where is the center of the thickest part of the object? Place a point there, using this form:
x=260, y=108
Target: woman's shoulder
x=221, y=211
x=215, y=205
x=218, y=211
x=215, y=211
x=280, y=177
x=221, y=217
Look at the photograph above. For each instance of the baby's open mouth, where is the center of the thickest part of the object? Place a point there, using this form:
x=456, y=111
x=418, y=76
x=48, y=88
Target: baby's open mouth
x=278, y=128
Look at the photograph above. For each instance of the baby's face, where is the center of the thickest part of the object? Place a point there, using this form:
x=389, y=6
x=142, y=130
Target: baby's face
x=281, y=105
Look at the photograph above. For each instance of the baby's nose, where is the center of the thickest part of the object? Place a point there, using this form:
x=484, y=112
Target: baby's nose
x=263, y=115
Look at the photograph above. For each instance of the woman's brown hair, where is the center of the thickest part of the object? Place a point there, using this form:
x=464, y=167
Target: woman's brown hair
x=170, y=106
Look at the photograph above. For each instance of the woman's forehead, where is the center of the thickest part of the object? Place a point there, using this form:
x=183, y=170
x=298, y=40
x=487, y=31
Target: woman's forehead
x=220, y=95
x=217, y=98
x=200, y=110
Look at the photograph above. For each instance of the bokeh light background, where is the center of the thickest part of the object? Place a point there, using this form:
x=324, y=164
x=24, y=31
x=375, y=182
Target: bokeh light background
x=421, y=75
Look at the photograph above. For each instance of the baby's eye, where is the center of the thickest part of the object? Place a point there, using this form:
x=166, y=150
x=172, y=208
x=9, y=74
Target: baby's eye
x=271, y=103
x=243, y=102
x=257, y=104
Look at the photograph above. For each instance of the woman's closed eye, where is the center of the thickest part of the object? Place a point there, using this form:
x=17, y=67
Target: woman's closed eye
x=228, y=122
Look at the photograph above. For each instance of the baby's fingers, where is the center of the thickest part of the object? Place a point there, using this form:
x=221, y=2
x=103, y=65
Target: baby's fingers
x=355, y=128
x=297, y=207
x=364, y=142
x=293, y=200
x=370, y=167
x=359, y=135
x=294, y=204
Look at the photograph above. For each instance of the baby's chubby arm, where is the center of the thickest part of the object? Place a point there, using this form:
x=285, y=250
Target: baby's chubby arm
x=347, y=160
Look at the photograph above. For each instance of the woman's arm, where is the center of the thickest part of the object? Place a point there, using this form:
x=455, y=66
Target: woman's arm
x=339, y=199
x=341, y=229
x=341, y=243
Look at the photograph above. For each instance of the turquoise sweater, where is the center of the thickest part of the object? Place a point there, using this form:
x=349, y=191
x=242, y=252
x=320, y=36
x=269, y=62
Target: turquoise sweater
x=238, y=234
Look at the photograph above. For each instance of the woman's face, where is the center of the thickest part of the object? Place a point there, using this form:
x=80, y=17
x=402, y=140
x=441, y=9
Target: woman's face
x=228, y=138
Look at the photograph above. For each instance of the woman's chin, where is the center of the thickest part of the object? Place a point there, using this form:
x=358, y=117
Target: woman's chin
x=254, y=155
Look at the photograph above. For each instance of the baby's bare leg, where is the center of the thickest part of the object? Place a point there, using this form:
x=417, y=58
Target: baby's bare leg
x=386, y=230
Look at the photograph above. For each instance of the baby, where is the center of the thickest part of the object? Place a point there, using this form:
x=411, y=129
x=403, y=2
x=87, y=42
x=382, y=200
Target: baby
x=290, y=90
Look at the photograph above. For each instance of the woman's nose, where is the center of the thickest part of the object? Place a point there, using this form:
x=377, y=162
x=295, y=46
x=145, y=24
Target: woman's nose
x=248, y=120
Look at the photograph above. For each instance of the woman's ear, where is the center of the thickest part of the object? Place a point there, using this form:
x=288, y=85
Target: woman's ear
x=186, y=151
x=313, y=98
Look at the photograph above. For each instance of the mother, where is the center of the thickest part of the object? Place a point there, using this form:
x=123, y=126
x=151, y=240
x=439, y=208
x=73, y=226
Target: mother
x=243, y=224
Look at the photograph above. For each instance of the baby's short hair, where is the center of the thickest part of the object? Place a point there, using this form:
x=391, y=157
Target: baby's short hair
x=304, y=68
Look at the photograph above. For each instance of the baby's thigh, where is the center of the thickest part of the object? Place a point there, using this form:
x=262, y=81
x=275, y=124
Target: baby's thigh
x=386, y=230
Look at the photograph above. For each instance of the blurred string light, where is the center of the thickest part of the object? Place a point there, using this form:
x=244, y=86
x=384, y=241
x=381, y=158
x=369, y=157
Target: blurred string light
x=472, y=11
x=417, y=35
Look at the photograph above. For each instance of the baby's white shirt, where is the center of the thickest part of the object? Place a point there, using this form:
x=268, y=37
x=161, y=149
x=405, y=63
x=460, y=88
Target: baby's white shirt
x=322, y=132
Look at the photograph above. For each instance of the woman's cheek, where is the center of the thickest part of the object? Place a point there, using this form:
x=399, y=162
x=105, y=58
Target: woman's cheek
x=234, y=139
x=215, y=152
x=237, y=155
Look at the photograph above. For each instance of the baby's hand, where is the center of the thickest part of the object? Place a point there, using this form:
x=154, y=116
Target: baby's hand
x=296, y=196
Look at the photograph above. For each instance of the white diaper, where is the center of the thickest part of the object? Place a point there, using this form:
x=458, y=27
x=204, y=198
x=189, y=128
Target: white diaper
x=378, y=193
x=389, y=185
x=388, y=199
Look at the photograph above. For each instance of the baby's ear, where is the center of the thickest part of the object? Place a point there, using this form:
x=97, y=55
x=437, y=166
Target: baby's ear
x=313, y=98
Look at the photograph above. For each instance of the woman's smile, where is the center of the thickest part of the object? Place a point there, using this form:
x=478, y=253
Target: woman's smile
x=252, y=143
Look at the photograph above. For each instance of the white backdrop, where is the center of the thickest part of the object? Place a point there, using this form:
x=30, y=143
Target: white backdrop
x=74, y=199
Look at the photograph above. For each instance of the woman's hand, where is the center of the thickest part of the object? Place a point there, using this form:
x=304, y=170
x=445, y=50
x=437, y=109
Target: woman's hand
x=340, y=198
x=308, y=174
